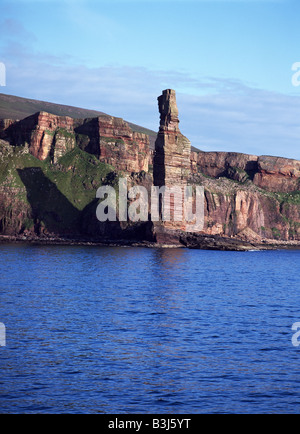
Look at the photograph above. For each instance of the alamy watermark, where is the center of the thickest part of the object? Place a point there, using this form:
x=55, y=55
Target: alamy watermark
x=2, y=335
x=296, y=75
x=296, y=336
x=2, y=74
x=179, y=203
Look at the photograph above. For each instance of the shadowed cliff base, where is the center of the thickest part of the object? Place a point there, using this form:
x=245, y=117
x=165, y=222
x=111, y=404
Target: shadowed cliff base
x=52, y=212
x=54, y=215
x=98, y=231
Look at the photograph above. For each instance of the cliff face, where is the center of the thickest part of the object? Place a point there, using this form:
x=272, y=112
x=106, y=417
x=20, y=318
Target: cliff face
x=217, y=164
x=278, y=174
x=114, y=143
x=50, y=136
x=44, y=134
x=245, y=212
x=249, y=197
x=274, y=174
x=51, y=167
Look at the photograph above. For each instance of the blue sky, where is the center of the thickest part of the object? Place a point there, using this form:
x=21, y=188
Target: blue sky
x=230, y=62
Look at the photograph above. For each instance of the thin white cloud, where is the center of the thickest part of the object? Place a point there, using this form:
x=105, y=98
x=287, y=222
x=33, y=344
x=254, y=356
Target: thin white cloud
x=254, y=121
x=215, y=113
x=12, y=29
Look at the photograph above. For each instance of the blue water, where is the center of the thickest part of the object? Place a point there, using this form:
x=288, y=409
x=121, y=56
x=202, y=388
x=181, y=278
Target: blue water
x=134, y=330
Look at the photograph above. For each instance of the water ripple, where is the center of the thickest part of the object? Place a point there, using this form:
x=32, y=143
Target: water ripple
x=112, y=330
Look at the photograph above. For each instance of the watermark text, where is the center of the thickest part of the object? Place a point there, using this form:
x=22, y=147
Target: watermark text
x=296, y=336
x=166, y=203
x=296, y=75
x=2, y=74
x=2, y=335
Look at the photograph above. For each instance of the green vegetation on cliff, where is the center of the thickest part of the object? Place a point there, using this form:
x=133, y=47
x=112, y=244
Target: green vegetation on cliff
x=44, y=197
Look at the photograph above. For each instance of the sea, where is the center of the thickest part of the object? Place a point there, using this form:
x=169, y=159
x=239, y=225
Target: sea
x=134, y=330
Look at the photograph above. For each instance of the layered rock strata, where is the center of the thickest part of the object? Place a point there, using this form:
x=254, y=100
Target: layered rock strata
x=171, y=163
x=254, y=207
x=114, y=142
x=110, y=139
x=273, y=174
x=45, y=135
x=246, y=212
x=247, y=197
x=278, y=174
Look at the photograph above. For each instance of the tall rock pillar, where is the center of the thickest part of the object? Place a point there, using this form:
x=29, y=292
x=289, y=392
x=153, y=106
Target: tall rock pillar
x=172, y=150
x=171, y=164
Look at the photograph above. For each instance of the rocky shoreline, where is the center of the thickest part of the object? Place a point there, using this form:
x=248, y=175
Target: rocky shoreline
x=190, y=241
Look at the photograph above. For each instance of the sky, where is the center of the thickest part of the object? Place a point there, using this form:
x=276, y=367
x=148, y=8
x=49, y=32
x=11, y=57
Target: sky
x=233, y=64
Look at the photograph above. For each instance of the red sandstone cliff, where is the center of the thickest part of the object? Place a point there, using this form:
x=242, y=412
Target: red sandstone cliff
x=277, y=174
x=261, y=203
x=114, y=142
x=246, y=196
x=111, y=139
x=274, y=174
x=43, y=133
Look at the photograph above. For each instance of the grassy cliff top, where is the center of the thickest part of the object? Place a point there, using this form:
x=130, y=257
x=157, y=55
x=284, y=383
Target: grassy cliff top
x=15, y=107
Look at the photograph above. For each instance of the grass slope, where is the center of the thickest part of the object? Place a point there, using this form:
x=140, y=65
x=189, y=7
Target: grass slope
x=55, y=195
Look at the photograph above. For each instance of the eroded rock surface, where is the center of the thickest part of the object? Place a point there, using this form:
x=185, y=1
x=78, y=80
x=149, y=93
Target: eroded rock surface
x=110, y=139
x=248, y=199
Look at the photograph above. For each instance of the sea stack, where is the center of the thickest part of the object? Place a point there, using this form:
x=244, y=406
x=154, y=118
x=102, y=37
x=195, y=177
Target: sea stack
x=171, y=165
x=172, y=150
